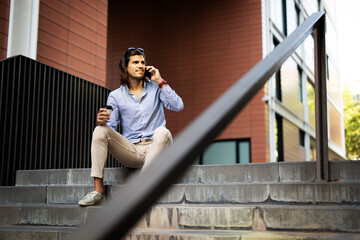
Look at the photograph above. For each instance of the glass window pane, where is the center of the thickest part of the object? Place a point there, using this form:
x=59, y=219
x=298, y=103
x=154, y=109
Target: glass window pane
x=244, y=154
x=300, y=90
x=276, y=13
x=309, y=52
x=311, y=5
x=294, y=17
x=311, y=102
x=220, y=153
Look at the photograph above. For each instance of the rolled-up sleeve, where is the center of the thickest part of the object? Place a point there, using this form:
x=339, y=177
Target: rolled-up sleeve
x=115, y=114
x=170, y=99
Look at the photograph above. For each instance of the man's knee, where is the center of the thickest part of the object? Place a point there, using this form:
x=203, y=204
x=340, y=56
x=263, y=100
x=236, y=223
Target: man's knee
x=162, y=135
x=100, y=132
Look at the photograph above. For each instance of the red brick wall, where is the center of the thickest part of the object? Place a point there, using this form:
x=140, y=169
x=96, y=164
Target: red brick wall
x=72, y=37
x=201, y=48
x=4, y=26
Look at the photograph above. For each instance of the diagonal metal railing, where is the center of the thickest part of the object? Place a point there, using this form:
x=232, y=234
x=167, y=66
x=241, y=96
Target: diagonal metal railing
x=123, y=211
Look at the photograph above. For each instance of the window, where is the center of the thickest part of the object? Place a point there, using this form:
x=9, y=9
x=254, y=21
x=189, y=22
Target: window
x=284, y=17
x=327, y=67
x=279, y=138
x=277, y=77
x=300, y=91
x=278, y=15
x=278, y=85
x=301, y=138
x=297, y=16
x=311, y=96
x=312, y=149
x=220, y=153
x=226, y=152
x=244, y=151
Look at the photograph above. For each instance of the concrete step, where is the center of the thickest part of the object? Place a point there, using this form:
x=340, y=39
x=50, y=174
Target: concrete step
x=236, y=235
x=212, y=202
x=208, y=174
x=45, y=214
x=80, y=176
x=204, y=174
x=302, y=192
x=35, y=232
x=64, y=233
x=259, y=217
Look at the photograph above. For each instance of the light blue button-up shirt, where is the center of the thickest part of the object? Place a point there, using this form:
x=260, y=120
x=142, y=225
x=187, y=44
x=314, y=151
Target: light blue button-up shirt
x=140, y=118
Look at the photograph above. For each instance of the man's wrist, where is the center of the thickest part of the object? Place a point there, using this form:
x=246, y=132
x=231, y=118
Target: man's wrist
x=162, y=83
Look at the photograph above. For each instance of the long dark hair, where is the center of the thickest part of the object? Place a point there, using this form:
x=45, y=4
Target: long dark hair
x=124, y=61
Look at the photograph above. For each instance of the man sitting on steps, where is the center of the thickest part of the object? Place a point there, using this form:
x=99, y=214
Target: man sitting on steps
x=138, y=106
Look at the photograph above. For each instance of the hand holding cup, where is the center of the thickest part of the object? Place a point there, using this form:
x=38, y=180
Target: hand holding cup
x=103, y=115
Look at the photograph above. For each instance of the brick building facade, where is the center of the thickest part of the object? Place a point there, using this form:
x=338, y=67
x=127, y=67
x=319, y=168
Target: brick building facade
x=201, y=48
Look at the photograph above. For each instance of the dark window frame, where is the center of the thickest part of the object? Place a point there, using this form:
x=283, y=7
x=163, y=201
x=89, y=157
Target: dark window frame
x=301, y=138
x=237, y=149
x=278, y=92
x=284, y=13
x=300, y=84
x=298, y=14
x=280, y=138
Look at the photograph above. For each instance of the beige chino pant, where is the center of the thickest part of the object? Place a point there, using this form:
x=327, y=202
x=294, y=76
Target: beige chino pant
x=131, y=155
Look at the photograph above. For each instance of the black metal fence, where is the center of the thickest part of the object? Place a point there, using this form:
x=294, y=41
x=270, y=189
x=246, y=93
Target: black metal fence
x=46, y=118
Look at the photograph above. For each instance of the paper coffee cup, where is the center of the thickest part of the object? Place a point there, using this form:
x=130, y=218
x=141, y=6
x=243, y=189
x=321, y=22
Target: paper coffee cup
x=108, y=108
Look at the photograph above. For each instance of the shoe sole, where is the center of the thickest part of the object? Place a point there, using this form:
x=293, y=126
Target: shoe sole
x=84, y=204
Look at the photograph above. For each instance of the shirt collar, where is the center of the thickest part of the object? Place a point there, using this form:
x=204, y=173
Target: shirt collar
x=146, y=82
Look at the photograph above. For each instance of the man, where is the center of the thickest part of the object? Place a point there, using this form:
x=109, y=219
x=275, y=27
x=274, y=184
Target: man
x=138, y=106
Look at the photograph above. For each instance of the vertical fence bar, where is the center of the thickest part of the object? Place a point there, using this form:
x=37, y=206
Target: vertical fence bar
x=81, y=122
x=53, y=118
x=32, y=106
x=67, y=89
x=60, y=155
x=5, y=124
x=36, y=111
x=23, y=110
x=322, y=165
x=9, y=125
x=88, y=120
x=76, y=123
x=17, y=99
x=46, y=121
x=42, y=121
x=2, y=120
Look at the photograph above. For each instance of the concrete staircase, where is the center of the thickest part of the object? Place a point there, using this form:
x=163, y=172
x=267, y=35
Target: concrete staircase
x=249, y=201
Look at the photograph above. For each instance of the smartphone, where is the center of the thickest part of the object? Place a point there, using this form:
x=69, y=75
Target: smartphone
x=147, y=73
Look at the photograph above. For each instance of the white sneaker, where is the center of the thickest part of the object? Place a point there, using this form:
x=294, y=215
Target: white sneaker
x=91, y=199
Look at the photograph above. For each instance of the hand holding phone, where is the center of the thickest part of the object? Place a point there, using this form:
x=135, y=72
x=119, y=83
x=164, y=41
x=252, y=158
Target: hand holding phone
x=148, y=73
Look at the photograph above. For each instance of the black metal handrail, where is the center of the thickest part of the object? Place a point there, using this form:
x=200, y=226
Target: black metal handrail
x=123, y=211
x=46, y=118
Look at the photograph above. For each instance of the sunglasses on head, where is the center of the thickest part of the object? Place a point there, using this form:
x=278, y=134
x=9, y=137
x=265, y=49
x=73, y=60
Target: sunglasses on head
x=133, y=49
